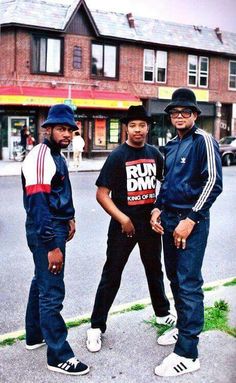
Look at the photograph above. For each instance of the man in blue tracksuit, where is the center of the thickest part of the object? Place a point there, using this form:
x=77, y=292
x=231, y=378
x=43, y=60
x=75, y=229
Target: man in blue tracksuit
x=192, y=182
x=49, y=225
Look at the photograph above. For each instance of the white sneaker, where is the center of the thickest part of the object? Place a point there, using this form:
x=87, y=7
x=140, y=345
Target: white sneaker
x=94, y=342
x=174, y=365
x=168, y=320
x=169, y=337
x=34, y=346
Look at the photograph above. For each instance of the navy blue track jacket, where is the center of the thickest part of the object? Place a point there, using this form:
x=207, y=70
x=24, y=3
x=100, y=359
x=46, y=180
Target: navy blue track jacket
x=47, y=190
x=192, y=175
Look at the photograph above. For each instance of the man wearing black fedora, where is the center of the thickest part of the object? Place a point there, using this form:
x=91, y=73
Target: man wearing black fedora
x=49, y=225
x=126, y=191
x=192, y=182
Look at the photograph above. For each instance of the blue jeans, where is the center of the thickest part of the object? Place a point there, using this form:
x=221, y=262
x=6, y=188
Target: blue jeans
x=183, y=269
x=119, y=247
x=47, y=291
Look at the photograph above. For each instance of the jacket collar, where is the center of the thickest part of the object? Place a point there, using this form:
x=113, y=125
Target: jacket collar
x=54, y=148
x=189, y=133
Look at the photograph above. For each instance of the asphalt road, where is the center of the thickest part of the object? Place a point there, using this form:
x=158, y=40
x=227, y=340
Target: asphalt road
x=86, y=253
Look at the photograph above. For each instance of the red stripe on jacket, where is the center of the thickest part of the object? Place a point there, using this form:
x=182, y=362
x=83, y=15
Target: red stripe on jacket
x=39, y=188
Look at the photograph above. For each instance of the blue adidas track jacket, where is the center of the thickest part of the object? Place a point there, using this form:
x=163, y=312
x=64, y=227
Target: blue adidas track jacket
x=192, y=175
x=47, y=190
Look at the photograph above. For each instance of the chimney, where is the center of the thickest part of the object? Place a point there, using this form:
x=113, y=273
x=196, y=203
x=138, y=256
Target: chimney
x=219, y=34
x=130, y=20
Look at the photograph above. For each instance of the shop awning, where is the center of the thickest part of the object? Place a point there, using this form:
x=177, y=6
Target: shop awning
x=17, y=95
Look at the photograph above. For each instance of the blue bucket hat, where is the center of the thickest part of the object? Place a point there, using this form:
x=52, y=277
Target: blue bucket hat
x=183, y=97
x=61, y=114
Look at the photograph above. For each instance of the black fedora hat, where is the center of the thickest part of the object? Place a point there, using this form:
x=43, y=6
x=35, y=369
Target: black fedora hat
x=60, y=114
x=183, y=97
x=136, y=113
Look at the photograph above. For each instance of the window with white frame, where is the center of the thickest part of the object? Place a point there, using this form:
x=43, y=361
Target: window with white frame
x=155, y=66
x=232, y=74
x=47, y=54
x=198, y=69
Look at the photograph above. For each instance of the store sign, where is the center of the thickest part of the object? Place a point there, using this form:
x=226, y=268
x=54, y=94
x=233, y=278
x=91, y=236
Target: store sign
x=78, y=102
x=165, y=93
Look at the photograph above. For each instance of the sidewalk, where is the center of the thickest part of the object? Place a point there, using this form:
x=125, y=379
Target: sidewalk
x=130, y=352
x=13, y=168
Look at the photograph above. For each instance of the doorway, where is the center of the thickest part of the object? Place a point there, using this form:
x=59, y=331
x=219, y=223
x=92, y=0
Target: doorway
x=14, y=127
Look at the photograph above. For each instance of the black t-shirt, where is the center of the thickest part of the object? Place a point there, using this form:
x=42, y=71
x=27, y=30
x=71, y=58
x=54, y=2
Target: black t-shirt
x=131, y=173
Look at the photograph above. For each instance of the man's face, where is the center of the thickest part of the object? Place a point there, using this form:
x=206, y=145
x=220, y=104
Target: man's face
x=137, y=131
x=61, y=135
x=184, y=121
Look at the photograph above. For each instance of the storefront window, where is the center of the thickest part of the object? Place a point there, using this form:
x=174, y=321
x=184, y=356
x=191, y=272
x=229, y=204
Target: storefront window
x=161, y=131
x=99, y=133
x=113, y=134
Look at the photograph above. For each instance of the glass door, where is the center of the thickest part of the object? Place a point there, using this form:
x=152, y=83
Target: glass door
x=15, y=125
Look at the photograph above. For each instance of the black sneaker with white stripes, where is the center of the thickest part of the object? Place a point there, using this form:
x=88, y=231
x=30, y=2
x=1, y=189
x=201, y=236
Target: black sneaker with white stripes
x=71, y=367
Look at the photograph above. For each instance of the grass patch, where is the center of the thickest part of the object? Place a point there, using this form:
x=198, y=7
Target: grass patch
x=161, y=328
x=209, y=288
x=11, y=341
x=77, y=323
x=215, y=318
x=136, y=307
x=230, y=283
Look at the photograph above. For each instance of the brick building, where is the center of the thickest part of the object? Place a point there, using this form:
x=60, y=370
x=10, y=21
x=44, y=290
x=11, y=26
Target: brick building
x=103, y=62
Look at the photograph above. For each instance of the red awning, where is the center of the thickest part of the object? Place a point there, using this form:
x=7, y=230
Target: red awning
x=17, y=95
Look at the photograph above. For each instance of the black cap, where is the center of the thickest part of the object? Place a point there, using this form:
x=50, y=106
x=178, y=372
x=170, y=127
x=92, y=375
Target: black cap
x=136, y=113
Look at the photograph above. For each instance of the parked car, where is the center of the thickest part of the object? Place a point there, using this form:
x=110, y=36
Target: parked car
x=228, y=150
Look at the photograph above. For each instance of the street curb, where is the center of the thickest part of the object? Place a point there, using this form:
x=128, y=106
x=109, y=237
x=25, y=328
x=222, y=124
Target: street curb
x=116, y=309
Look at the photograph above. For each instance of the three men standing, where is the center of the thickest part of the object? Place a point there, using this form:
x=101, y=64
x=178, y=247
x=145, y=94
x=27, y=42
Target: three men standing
x=126, y=191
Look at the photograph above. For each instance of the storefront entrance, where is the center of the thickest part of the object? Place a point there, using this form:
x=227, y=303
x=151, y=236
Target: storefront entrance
x=14, y=127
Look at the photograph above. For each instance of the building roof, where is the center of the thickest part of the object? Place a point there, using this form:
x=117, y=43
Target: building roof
x=46, y=15
x=36, y=13
x=165, y=33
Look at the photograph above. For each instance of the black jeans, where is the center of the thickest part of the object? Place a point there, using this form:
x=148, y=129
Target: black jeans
x=119, y=247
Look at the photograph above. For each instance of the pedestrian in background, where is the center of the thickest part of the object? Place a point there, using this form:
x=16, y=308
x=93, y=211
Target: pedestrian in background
x=127, y=192
x=24, y=134
x=30, y=141
x=78, y=146
x=192, y=182
x=49, y=225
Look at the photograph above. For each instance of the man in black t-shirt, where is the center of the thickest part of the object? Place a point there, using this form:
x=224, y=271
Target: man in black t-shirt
x=127, y=192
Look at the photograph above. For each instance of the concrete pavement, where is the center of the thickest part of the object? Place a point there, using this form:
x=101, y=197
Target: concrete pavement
x=130, y=352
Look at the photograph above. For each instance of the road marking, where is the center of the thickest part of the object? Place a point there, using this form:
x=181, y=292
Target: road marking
x=115, y=309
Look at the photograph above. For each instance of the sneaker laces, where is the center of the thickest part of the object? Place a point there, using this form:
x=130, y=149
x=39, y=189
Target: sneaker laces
x=73, y=362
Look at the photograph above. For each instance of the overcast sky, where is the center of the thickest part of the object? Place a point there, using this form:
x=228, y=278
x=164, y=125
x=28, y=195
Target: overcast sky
x=209, y=13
